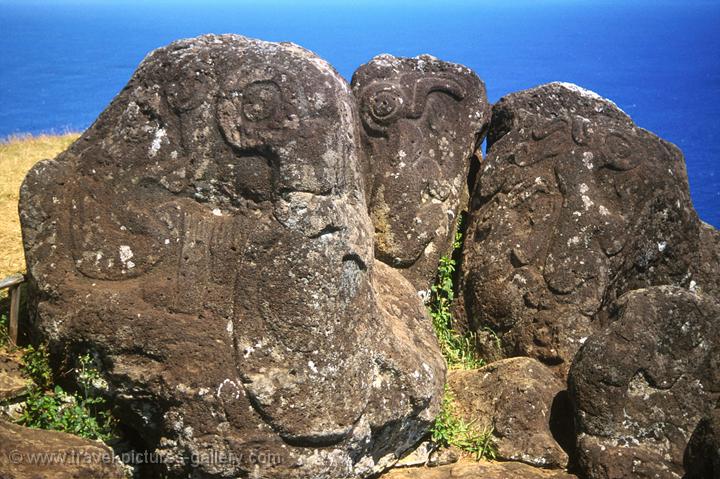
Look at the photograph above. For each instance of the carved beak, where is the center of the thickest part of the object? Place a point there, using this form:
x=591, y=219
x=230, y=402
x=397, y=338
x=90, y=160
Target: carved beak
x=425, y=86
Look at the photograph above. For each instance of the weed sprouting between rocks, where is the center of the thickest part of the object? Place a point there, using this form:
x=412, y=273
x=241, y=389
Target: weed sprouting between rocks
x=458, y=349
x=49, y=406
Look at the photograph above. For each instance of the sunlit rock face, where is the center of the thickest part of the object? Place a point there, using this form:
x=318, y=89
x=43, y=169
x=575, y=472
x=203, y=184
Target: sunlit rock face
x=422, y=119
x=645, y=388
x=574, y=206
x=29, y=452
x=208, y=240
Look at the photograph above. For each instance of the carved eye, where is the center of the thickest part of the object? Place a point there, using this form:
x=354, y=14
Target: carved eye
x=261, y=100
x=385, y=104
x=382, y=104
x=620, y=152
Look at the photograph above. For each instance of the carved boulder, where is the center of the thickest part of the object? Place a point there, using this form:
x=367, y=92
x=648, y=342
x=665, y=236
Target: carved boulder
x=208, y=240
x=574, y=206
x=643, y=387
x=422, y=120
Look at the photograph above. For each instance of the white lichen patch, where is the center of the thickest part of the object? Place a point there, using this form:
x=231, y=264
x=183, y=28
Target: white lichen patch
x=229, y=385
x=160, y=134
x=312, y=367
x=584, y=92
x=125, y=255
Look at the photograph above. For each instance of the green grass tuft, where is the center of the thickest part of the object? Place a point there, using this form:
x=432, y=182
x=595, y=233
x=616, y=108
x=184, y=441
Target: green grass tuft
x=458, y=349
x=50, y=407
x=451, y=429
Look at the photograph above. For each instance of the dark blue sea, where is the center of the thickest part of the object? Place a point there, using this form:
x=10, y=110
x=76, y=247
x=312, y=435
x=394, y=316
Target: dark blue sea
x=61, y=62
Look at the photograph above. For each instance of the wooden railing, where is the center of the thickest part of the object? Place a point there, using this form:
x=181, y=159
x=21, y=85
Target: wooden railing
x=12, y=284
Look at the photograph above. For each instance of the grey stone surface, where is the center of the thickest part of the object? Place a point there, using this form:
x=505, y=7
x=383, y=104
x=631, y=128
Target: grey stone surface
x=641, y=386
x=208, y=240
x=422, y=119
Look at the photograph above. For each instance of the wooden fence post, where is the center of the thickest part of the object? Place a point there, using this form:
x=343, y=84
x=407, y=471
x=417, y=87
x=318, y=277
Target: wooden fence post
x=14, y=313
x=12, y=284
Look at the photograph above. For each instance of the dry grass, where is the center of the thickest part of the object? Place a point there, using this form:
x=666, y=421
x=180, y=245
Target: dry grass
x=17, y=156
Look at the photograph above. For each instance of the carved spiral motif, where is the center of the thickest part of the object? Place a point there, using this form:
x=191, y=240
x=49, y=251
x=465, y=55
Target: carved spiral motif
x=382, y=103
x=247, y=114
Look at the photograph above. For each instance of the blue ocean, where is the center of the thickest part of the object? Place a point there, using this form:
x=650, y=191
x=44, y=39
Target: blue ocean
x=62, y=61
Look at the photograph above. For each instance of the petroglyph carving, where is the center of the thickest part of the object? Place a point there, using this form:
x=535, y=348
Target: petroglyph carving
x=422, y=119
x=553, y=234
x=209, y=236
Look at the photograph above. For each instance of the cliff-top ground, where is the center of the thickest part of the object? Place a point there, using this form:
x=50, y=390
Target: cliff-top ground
x=17, y=156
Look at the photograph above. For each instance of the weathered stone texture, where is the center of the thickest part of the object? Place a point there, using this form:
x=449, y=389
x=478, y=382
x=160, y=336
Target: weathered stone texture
x=469, y=469
x=33, y=453
x=515, y=397
x=208, y=240
x=422, y=119
x=642, y=385
x=574, y=206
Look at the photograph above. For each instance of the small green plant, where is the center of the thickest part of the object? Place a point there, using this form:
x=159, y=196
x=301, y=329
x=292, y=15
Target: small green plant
x=36, y=366
x=450, y=429
x=4, y=336
x=458, y=349
x=48, y=407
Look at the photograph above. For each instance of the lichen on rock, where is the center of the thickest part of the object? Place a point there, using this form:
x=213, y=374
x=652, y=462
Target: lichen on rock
x=208, y=237
x=422, y=119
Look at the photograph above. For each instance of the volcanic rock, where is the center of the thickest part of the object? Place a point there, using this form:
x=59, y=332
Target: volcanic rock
x=33, y=453
x=516, y=397
x=470, y=469
x=574, y=206
x=641, y=386
x=208, y=241
x=422, y=119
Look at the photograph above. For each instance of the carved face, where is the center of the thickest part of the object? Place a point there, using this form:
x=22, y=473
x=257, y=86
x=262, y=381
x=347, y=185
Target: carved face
x=421, y=119
x=289, y=134
x=211, y=238
x=406, y=97
x=243, y=202
x=555, y=218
